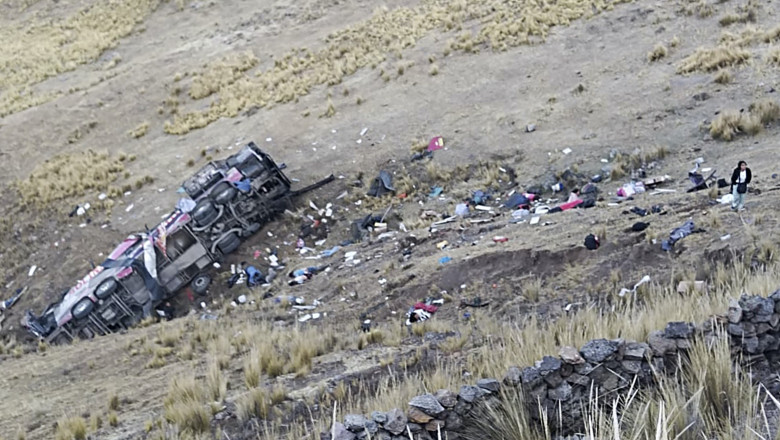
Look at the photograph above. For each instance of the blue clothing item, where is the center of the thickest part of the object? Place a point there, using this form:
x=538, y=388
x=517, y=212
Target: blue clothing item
x=255, y=276
x=243, y=185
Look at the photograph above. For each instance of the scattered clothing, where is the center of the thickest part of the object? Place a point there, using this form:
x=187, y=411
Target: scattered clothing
x=518, y=200
x=461, y=209
x=678, y=234
x=382, y=184
x=422, y=311
x=7, y=304
x=639, y=226
x=573, y=197
x=255, y=276
x=244, y=185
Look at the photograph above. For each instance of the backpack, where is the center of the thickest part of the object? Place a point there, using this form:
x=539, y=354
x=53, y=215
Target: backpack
x=592, y=242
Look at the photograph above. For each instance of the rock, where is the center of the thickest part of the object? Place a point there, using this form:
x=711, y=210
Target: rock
x=355, y=422
x=325, y=436
x=548, y=364
x=571, y=355
x=530, y=128
x=415, y=428
x=453, y=421
x=763, y=328
x=553, y=379
x=660, y=344
x=469, y=393
x=435, y=425
x=762, y=318
x=584, y=369
x=416, y=415
x=578, y=379
x=735, y=312
x=636, y=351
x=428, y=404
x=684, y=344
x=757, y=305
x=678, y=330
x=632, y=367
x=340, y=432
x=530, y=375
x=396, y=421
x=462, y=407
x=774, y=320
x=563, y=392
x=491, y=385
x=446, y=398
x=736, y=330
x=512, y=377
x=750, y=345
x=379, y=417
x=598, y=350
x=567, y=369
x=703, y=96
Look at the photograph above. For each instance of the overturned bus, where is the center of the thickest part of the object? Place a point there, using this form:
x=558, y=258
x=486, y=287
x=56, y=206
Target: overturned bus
x=228, y=201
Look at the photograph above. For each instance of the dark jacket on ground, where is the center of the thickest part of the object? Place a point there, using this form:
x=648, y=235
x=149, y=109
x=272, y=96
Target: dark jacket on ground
x=735, y=175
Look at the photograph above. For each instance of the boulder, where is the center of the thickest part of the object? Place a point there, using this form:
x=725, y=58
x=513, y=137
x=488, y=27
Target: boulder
x=453, y=421
x=632, y=367
x=598, y=350
x=548, y=364
x=578, y=379
x=435, y=426
x=340, y=432
x=446, y=398
x=735, y=312
x=563, y=392
x=678, y=330
x=512, y=378
x=530, y=376
x=571, y=355
x=636, y=351
x=428, y=404
x=469, y=393
x=491, y=385
x=416, y=415
x=396, y=421
x=379, y=417
x=553, y=379
x=355, y=422
x=660, y=344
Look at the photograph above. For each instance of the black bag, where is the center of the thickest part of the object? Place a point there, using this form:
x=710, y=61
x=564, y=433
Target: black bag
x=742, y=188
x=591, y=242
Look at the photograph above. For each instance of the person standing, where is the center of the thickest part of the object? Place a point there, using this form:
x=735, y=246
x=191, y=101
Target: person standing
x=740, y=179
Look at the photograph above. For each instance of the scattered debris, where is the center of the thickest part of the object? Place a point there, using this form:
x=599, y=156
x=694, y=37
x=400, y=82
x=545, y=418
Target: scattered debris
x=437, y=143
x=687, y=286
x=32, y=270
x=530, y=128
x=624, y=291
x=679, y=233
x=382, y=184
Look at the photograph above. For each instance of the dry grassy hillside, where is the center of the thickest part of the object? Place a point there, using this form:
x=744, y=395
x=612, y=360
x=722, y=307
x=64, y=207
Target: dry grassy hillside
x=128, y=98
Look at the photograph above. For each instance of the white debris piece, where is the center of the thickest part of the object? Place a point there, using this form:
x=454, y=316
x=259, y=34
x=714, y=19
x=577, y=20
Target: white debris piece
x=32, y=270
x=129, y=207
x=567, y=151
x=102, y=196
x=363, y=131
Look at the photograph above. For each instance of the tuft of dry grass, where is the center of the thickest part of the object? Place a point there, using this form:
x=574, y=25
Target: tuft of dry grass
x=113, y=402
x=658, y=52
x=387, y=33
x=221, y=73
x=71, y=428
x=709, y=60
x=37, y=49
x=113, y=418
x=184, y=405
x=216, y=383
x=67, y=176
x=730, y=123
x=433, y=70
x=723, y=77
x=774, y=57
x=140, y=130
x=255, y=403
